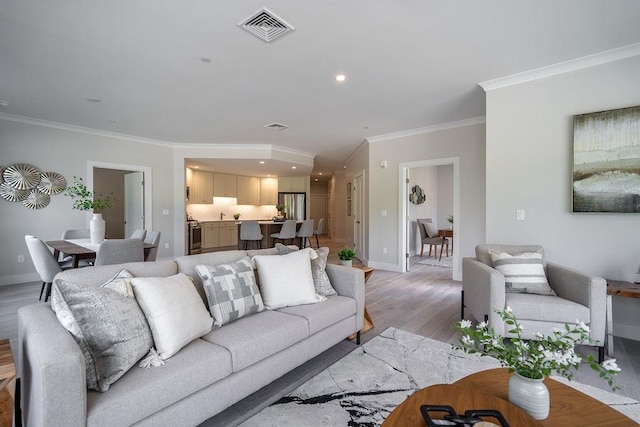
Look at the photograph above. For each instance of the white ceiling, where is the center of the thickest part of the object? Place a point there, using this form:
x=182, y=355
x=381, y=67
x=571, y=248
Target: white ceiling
x=409, y=64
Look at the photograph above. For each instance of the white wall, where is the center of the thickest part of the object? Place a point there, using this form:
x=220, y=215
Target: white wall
x=445, y=195
x=468, y=144
x=529, y=166
x=68, y=153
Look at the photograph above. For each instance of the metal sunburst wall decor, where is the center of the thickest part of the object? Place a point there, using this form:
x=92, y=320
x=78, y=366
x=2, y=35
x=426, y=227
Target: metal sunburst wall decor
x=25, y=183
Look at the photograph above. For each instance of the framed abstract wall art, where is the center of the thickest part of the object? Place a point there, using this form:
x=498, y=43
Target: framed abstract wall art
x=606, y=161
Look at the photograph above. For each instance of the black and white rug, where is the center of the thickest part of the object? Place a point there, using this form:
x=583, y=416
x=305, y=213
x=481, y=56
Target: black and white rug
x=364, y=387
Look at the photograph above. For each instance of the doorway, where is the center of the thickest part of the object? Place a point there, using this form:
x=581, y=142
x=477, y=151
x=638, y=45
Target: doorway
x=405, y=225
x=359, y=224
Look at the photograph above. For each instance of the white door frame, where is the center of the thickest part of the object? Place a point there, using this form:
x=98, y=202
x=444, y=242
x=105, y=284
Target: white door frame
x=148, y=199
x=402, y=220
x=359, y=223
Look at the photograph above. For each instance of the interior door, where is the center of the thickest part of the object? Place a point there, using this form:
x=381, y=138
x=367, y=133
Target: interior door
x=133, y=202
x=319, y=210
x=358, y=215
x=407, y=248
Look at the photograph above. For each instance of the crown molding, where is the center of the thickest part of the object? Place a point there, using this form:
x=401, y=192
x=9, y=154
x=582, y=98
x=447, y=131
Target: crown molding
x=563, y=67
x=428, y=129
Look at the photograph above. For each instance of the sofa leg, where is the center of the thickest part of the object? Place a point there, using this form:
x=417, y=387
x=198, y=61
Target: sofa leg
x=358, y=338
x=462, y=305
x=600, y=354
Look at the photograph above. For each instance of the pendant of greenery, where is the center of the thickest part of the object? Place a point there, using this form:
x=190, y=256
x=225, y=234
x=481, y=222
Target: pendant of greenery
x=85, y=200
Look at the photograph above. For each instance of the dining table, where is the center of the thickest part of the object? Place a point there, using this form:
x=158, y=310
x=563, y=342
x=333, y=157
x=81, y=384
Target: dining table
x=79, y=249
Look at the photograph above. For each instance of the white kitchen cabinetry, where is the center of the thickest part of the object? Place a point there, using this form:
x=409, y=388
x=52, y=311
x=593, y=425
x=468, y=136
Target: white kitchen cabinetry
x=268, y=191
x=248, y=190
x=224, y=185
x=211, y=235
x=228, y=234
x=201, y=187
x=292, y=183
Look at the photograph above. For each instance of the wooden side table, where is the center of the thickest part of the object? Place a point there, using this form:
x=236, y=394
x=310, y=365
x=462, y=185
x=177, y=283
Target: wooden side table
x=7, y=384
x=622, y=289
x=368, y=322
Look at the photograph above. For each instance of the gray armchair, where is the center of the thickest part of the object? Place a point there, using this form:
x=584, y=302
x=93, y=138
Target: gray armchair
x=578, y=296
x=429, y=236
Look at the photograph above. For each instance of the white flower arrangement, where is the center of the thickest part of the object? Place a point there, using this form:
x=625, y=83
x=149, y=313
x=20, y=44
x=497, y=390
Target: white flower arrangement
x=535, y=359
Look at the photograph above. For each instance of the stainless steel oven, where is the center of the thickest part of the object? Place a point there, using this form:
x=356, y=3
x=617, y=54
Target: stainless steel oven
x=195, y=237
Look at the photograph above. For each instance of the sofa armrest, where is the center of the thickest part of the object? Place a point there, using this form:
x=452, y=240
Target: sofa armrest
x=484, y=291
x=585, y=289
x=51, y=369
x=349, y=282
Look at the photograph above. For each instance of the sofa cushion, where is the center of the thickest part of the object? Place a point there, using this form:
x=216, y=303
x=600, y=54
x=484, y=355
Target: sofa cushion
x=108, y=326
x=257, y=337
x=174, y=311
x=523, y=273
x=322, y=315
x=286, y=280
x=547, y=308
x=231, y=290
x=142, y=392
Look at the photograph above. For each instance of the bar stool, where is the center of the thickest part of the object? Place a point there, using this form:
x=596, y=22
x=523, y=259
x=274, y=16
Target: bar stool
x=305, y=233
x=287, y=232
x=250, y=232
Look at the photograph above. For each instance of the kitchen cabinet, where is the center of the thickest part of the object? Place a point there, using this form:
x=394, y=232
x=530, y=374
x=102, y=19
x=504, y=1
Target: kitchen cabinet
x=248, y=190
x=292, y=183
x=228, y=234
x=211, y=235
x=201, y=187
x=224, y=185
x=268, y=191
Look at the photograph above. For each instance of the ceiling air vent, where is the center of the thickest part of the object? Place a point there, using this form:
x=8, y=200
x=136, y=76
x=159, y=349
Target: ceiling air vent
x=277, y=126
x=266, y=25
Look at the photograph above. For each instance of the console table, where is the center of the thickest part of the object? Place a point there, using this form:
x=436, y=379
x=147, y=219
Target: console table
x=622, y=289
x=368, y=322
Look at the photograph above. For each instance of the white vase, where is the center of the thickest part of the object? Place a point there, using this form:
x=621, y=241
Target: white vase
x=347, y=262
x=530, y=395
x=96, y=229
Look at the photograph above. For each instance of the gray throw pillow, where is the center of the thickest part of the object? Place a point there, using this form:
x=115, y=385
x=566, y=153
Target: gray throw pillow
x=110, y=328
x=523, y=273
x=231, y=290
x=321, y=281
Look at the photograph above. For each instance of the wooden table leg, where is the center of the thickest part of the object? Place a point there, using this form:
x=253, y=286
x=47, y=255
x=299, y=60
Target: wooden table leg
x=609, y=327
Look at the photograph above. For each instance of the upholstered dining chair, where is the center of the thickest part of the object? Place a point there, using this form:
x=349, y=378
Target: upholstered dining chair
x=429, y=236
x=543, y=296
x=305, y=233
x=138, y=234
x=152, y=238
x=250, y=232
x=45, y=263
x=319, y=231
x=117, y=251
x=75, y=233
x=287, y=232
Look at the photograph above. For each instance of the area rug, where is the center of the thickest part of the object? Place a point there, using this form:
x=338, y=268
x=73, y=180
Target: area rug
x=446, y=262
x=364, y=387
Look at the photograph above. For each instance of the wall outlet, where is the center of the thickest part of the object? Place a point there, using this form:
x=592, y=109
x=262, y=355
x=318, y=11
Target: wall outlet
x=165, y=212
x=20, y=258
x=166, y=246
x=384, y=250
x=383, y=212
x=520, y=215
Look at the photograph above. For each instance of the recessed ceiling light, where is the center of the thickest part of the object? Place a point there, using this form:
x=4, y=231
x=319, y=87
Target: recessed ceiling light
x=293, y=167
x=4, y=103
x=316, y=179
x=320, y=173
x=262, y=162
x=340, y=77
x=92, y=99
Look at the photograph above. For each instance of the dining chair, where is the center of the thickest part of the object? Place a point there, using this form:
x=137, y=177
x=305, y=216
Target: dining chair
x=118, y=251
x=250, y=232
x=152, y=238
x=305, y=233
x=139, y=234
x=45, y=263
x=429, y=236
x=75, y=233
x=319, y=231
x=287, y=232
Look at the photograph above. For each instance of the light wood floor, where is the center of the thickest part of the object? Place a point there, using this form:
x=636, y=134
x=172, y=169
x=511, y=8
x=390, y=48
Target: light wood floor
x=425, y=301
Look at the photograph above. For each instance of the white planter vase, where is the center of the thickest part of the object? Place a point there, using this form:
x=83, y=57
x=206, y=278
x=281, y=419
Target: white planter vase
x=530, y=395
x=347, y=262
x=97, y=229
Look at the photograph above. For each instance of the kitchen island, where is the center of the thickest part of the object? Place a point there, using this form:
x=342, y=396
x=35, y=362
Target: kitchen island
x=267, y=228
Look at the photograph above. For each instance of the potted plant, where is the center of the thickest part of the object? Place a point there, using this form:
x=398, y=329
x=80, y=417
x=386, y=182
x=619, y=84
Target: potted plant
x=346, y=256
x=280, y=208
x=236, y=216
x=450, y=219
x=85, y=200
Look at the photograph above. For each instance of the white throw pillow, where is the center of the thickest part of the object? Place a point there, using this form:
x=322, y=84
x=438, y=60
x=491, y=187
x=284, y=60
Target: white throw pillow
x=174, y=310
x=286, y=280
x=523, y=273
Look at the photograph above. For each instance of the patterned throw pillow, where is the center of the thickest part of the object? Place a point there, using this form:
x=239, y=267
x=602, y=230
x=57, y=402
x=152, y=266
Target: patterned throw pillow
x=231, y=290
x=109, y=327
x=523, y=273
x=318, y=265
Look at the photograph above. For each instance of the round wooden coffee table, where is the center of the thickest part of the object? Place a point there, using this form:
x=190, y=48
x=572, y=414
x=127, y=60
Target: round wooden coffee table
x=488, y=390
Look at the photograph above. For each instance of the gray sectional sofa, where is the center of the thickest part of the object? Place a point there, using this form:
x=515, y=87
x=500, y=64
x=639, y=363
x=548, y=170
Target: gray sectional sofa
x=203, y=378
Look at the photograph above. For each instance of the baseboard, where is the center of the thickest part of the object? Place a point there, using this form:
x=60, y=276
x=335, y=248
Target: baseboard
x=622, y=330
x=385, y=266
x=19, y=278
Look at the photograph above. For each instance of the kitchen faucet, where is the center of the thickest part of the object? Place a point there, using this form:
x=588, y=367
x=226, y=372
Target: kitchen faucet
x=222, y=214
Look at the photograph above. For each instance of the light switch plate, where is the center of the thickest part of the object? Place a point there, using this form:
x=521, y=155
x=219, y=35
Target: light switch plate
x=520, y=215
